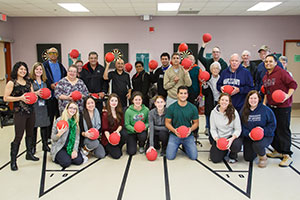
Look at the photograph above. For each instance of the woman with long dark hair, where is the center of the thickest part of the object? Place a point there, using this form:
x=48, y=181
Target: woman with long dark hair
x=113, y=121
x=24, y=117
x=225, y=123
x=255, y=114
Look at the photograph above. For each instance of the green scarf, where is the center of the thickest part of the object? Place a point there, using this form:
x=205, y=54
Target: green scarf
x=72, y=135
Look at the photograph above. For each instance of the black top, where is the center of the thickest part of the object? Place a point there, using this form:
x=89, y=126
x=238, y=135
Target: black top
x=120, y=85
x=93, y=79
x=252, y=68
x=19, y=90
x=158, y=77
x=141, y=83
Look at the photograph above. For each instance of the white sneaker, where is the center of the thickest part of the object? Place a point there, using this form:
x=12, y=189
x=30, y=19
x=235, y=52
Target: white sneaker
x=141, y=150
x=84, y=151
x=85, y=158
x=231, y=160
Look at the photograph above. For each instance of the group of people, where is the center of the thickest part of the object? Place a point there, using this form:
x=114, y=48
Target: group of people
x=179, y=90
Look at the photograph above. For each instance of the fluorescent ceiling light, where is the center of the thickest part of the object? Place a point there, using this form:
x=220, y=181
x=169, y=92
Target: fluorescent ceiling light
x=74, y=7
x=264, y=6
x=168, y=6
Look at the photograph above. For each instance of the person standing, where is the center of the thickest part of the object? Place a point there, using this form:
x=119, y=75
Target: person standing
x=140, y=81
x=24, y=116
x=277, y=78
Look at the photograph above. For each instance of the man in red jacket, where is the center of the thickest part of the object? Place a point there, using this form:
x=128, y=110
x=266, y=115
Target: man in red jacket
x=274, y=79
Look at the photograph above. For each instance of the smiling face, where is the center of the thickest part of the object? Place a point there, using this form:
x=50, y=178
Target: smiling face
x=72, y=73
x=72, y=109
x=224, y=102
x=175, y=60
x=160, y=103
x=182, y=95
x=93, y=59
x=234, y=62
x=119, y=65
x=90, y=104
x=245, y=57
x=253, y=100
x=139, y=67
x=137, y=101
x=53, y=54
x=270, y=63
x=79, y=66
x=216, y=53
x=165, y=61
x=22, y=71
x=38, y=71
x=113, y=102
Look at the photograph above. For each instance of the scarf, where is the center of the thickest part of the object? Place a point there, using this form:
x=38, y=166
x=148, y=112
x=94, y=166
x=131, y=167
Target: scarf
x=72, y=135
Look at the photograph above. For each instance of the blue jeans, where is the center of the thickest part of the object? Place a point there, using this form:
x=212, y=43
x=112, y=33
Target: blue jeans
x=188, y=144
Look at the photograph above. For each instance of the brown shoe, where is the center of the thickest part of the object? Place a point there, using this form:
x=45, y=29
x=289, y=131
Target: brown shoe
x=275, y=154
x=286, y=161
x=262, y=163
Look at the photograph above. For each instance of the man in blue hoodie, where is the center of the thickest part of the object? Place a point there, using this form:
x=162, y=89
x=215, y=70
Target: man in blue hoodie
x=239, y=78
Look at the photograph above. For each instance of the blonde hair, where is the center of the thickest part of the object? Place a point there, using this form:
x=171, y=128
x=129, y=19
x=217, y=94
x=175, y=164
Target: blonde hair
x=32, y=73
x=65, y=115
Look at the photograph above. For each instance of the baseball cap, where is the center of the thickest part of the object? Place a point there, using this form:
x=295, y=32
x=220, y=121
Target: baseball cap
x=264, y=47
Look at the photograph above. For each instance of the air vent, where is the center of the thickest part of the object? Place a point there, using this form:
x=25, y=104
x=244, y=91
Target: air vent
x=188, y=12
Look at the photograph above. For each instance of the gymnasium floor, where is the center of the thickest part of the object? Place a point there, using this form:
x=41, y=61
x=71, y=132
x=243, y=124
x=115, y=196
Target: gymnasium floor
x=131, y=178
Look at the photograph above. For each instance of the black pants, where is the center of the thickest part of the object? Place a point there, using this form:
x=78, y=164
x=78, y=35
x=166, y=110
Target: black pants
x=115, y=151
x=218, y=155
x=132, y=141
x=283, y=139
x=252, y=148
x=161, y=136
x=23, y=122
x=64, y=159
x=52, y=106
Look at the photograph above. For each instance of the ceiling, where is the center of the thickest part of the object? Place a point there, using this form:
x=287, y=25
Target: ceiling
x=39, y=8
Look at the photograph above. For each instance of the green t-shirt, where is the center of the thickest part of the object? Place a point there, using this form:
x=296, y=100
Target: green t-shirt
x=182, y=115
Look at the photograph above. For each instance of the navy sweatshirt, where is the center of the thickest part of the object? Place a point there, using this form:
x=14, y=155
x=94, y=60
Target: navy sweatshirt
x=242, y=79
x=263, y=117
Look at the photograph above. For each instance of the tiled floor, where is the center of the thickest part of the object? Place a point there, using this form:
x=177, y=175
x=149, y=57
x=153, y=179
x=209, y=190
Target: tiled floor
x=131, y=178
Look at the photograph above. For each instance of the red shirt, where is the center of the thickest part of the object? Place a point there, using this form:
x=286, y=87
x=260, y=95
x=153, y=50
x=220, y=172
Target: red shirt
x=106, y=127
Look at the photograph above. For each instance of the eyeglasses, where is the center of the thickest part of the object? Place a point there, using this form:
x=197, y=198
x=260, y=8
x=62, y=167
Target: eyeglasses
x=216, y=51
x=53, y=53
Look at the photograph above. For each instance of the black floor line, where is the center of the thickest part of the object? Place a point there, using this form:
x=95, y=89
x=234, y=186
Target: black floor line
x=167, y=185
x=227, y=165
x=238, y=171
x=2, y=167
x=42, y=184
x=248, y=193
x=296, y=146
x=43, y=192
x=124, y=178
x=293, y=168
x=59, y=170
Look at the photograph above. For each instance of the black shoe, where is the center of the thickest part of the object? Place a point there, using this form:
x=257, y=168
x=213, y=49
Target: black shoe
x=14, y=149
x=46, y=148
x=29, y=155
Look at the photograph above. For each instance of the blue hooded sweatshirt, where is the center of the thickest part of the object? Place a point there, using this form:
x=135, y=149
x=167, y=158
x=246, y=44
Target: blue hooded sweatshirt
x=242, y=79
x=263, y=117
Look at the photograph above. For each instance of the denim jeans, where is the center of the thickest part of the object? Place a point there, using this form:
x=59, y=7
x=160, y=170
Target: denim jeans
x=188, y=144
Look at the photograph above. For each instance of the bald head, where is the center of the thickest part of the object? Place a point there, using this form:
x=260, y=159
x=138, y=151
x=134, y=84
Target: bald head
x=192, y=58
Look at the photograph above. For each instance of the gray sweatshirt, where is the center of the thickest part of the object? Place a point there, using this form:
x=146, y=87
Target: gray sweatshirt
x=219, y=127
x=156, y=123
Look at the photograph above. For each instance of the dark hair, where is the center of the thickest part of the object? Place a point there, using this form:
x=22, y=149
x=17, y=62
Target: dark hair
x=85, y=112
x=139, y=62
x=119, y=110
x=14, y=73
x=165, y=54
x=229, y=112
x=176, y=53
x=136, y=93
x=271, y=55
x=74, y=66
x=246, y=108
x=159, y=97
x=182, y=87
x=78, y=61
x=93, y=53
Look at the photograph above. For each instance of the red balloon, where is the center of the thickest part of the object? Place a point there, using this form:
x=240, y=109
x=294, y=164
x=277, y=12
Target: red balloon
x=31, y=96
x=114, y=138
x=204, y=75
x=278, y=96
x=45, y=93
x=257, y=133
x=139, y=126
x=95, y=95
x=183, y=131
x=262, y=89
x=76, y=95
x=128, y=67
x=206, y=37
x=153, y=64
x=109, y=57
x=151, y=155
x=222, y=144
x=95, y=133
x=183, y=47
x=74, y=53
x=186, y=63
x=62, y=123
x=228, y=89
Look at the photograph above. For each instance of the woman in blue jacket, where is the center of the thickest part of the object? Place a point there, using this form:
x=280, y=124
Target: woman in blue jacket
x=255, y=114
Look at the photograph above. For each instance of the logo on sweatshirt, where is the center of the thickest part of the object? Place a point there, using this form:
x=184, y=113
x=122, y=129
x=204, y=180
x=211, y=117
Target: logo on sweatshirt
x=254, y=118
x=269, y=82
x=231, y=81
x=139, y=117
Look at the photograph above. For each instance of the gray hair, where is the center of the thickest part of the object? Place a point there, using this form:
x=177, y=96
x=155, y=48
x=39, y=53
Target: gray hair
x=215, y=64
x=283, y=58
x=246, y=52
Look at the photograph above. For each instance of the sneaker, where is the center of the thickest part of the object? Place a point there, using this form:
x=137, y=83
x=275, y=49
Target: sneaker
x=141, y=150
x=206, y=131
x=232, y=160
x=274, y=154
x=262, y=163
x=286, y=161
x=85, y=158
x=84, y=151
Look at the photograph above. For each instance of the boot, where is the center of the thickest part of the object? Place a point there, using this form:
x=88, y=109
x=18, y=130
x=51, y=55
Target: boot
x=14, y=149
x=33, y=149
x=29, y=155
x=262, y=163
x=44, y=136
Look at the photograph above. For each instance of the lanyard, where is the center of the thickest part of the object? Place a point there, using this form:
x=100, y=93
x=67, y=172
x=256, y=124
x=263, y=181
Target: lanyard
x=39, y=86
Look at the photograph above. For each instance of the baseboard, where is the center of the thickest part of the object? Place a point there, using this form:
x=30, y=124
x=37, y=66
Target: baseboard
x=296, y=106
